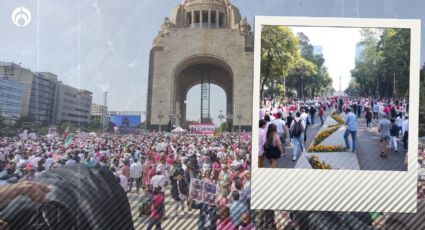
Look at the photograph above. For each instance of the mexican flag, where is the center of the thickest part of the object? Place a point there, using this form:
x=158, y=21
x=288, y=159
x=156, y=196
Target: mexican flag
x=65, y=134
x=68, y=140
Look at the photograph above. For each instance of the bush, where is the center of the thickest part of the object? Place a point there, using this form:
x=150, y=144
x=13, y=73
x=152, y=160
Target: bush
x=317, y=164
x=338, y=119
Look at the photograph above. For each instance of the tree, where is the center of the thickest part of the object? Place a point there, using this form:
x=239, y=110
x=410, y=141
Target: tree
x=422, y=102
x=279, y=52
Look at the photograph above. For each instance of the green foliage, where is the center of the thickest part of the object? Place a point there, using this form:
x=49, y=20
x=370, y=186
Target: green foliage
x=385, y=57
x=422, y=103
x=289, y=66
x=279, y=52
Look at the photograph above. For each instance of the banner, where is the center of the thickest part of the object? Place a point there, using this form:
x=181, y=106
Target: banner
x=202, y=128
x=203, y=192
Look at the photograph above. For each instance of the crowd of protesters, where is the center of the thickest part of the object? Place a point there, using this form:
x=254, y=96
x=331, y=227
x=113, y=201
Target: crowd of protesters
x=281, y=122
x=148, y=165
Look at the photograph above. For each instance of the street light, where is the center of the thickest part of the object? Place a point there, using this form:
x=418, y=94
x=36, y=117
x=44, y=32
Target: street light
x=221, y=117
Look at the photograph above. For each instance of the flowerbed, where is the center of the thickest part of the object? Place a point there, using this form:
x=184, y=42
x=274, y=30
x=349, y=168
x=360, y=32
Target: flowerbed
x=338, y=119
x=326, y=148
x=324, y=134
x=331, y=126
x=317, y=164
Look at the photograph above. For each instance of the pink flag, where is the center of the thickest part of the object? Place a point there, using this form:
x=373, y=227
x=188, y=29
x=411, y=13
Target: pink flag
x=244, y=135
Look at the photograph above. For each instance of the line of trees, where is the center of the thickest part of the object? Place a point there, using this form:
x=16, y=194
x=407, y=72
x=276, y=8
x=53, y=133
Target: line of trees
x=289, y=67
x=384, y=63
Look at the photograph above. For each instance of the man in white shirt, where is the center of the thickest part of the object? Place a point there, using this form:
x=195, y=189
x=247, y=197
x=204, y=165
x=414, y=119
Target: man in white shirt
x=136, y=169
x=159, y=180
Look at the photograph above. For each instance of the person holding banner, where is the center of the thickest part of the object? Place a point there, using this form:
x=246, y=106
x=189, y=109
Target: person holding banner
x=179, y=192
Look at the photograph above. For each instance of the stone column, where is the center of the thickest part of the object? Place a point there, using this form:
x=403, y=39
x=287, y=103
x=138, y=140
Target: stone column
x=200, y=18
x=193, y=19
x=209, y=18
x=217, y=18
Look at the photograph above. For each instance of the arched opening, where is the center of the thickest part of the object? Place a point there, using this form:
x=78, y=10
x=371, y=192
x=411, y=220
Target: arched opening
x=218, y=105
x=193, y=72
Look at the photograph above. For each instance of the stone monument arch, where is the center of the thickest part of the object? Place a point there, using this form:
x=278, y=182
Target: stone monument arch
x=203, y=42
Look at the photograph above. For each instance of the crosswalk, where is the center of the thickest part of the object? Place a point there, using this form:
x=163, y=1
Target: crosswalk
x=188, y=221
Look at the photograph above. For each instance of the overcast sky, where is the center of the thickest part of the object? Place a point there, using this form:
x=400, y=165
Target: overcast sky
x=104, y=45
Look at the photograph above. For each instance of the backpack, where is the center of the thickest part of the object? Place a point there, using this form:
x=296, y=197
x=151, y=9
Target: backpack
x=298, y=129
x=394, y=130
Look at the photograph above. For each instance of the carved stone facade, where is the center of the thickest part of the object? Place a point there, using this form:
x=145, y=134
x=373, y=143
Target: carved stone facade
x=201, y=35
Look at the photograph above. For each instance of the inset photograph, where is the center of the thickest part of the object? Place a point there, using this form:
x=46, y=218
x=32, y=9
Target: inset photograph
x=334, y=97
x=335, y=103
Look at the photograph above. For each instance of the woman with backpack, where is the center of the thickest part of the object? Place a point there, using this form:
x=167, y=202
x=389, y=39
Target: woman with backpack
x=273, y=148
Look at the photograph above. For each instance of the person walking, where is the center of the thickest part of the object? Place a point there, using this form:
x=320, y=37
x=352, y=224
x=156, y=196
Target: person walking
x=136, y=170
x=312, y=114
x=261, y=141
x=394, y=132
x=157, y=210
x=304, y=117
x=321, y=114
x=351, y=128
x=384, y=130
x=368, y=118
x=405, y=130
x=282, y=130
x=297, y=130
x=273, y=148
x=179, y=192
x=289, y=120
x=375, y=111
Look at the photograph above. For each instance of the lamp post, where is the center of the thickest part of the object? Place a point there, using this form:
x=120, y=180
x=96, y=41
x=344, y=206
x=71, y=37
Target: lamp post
x=221, y=117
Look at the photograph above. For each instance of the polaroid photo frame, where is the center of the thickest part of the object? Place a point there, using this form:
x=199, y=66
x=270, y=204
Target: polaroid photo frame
x=338, y=190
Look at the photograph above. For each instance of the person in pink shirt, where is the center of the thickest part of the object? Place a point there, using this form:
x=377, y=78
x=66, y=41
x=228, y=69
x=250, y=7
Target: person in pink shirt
x=261, y=142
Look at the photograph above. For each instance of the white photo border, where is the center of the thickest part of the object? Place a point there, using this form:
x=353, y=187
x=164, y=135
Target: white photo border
x=338, y=190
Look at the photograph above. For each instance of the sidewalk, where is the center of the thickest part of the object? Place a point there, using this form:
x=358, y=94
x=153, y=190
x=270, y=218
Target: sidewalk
x=368, y=150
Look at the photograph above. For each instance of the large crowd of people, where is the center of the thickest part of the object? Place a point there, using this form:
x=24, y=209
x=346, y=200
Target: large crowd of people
x=288, y=121
x=147, y=165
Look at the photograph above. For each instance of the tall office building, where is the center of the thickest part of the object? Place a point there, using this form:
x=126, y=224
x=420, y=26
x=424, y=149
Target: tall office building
x=42, y=98
x=317, y=50
x=47, y=100
x=14, y=72
x=11, y=94
x=72, y=105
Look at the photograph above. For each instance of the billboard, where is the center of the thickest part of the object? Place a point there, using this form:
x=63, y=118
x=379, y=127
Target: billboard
x=202, y=128
x=126, y=123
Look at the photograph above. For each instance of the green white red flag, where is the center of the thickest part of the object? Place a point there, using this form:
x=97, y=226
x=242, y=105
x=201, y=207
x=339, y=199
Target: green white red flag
x=68, y=140
x=66, y=133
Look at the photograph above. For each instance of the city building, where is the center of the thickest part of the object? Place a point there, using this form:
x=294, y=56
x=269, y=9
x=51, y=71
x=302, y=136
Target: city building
x=11, y=94
x=100, y=113
x=359, y=50
x=317, y=50
x=42, y=98
x=47, y=100
x=203, y=42
x=14, y=72
x=72, y=105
